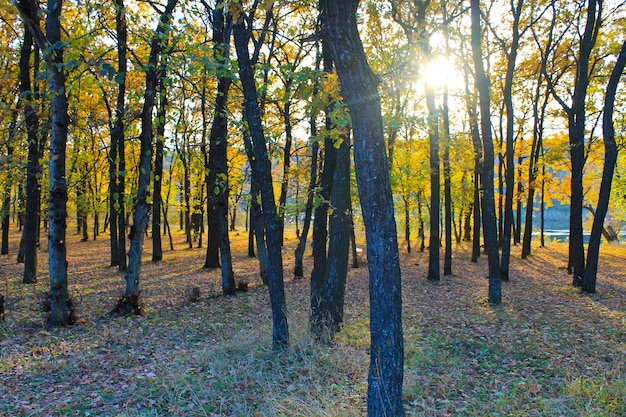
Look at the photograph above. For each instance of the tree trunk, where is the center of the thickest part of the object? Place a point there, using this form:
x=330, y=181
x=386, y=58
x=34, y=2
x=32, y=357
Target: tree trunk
x=359, y=89
x=298, y=270
x=435, y=183
x=577, y=118
x=284, y=183
x=447, y=263
x=261, y=170
x=257, y=230
x=355, y=253
x=407, y=223
x=6, y=200
x=157, y=247
x=131, y=301
x=217, y=178
x=510, y=142
x=28, y=244
x=57, y=202
x=333, y=288
x=488, y=201
x=610, y=159
x=318, y=316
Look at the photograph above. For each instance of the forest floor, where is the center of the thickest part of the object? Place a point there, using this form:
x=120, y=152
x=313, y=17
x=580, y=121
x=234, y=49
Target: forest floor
x=547, y=351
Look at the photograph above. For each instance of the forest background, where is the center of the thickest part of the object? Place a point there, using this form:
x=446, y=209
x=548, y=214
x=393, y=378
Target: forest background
x=147, y=111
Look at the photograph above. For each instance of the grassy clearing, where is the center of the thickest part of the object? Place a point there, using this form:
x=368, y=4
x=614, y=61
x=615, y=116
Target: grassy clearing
x=548, y=351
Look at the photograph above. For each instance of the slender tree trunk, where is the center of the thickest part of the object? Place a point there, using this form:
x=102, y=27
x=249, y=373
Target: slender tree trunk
x=510, y=142
x=610, y=159
x=447, y=263
x=217, y=179
x=333, y=287
x=257, y=228
x=6, y=200
x=28, y=244
x=57, y=202
x=157, y=247
x=355, y=253
x=113, y=202
x=532, y=173
x=131, y=301
x=298, y=270
x=577, y=118
x=420, y=223
x=284, y=184
x=488, y=201
x=359, y=89
x=318, y=319
x=435, y=184
x=407, y=223
x=261, y=170
x=118, y=135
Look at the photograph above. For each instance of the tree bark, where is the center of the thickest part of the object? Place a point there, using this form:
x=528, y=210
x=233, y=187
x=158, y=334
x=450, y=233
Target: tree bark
x=6, y=200
x=117, y=137
x=28, y=244
x=333, y=289
x=435, y=184
x=60, y=314
x=488, y=201
x=510, y=139
x=359, y=89
x=131, y=298
x=447, y=185
x=610, y=159
x=298, y=270
x=217, y=178
x=157, y=247
x=261, y=170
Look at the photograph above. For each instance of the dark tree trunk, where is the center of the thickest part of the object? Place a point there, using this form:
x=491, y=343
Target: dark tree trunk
x=57, y=202
x=318, y=318
x=6, y=200
x=333, y=288
x=284, y=184
x=298, y=270
x=320, y=238
x=447, y=262
x=478, y=157
x=510, y=141
x=610, y=159
x=117, y=137
x=28, y=244
x=217, y=178
x=488, y=201
x=435, y=185
x=131, y=302
x=261, y=170
x=420, y=223
x=533, y=170
x=355, y=253
x=359, y=89
x=407, y=223
x=157, y=247
x=257, y=230
x=517, y=225
x=113, y=203
x=577, y=118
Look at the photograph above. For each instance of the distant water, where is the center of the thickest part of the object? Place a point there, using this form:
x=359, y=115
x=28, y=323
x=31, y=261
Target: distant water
x=562, y=235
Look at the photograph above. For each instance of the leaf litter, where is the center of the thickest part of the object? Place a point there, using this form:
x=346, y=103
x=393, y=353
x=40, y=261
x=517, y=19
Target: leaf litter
x=548, y=350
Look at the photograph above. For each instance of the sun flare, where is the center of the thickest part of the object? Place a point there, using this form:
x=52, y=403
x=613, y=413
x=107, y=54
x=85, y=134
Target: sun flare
x=441, y=71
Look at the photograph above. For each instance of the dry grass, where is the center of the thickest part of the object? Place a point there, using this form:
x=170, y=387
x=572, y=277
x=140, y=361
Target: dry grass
x=548, y=351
